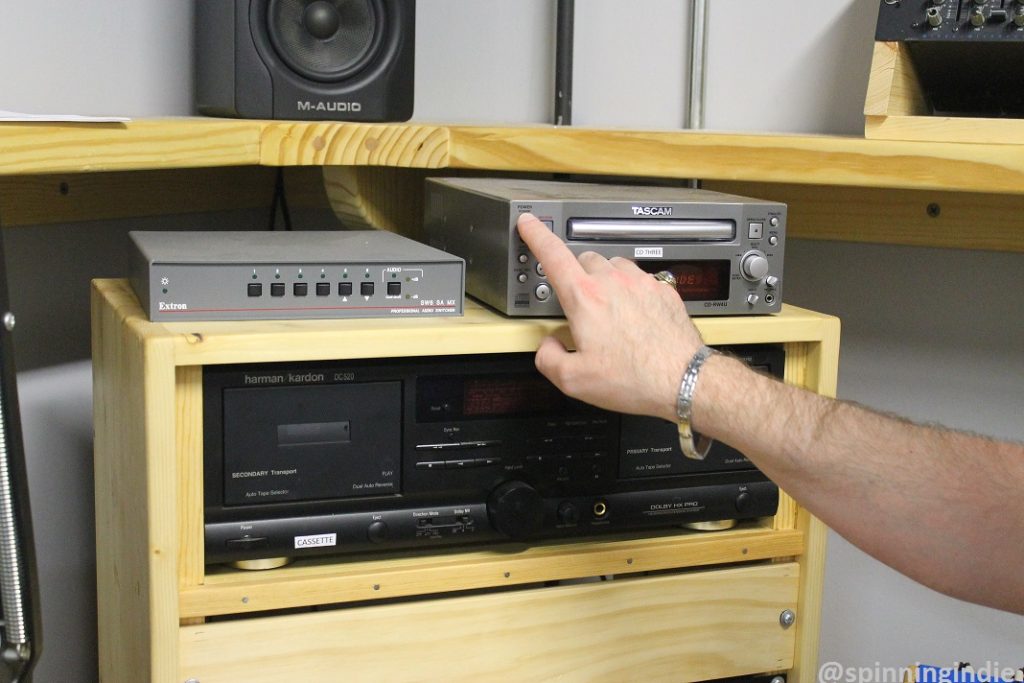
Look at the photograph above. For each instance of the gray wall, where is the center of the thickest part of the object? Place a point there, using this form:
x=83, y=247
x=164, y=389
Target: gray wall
x=931, y=334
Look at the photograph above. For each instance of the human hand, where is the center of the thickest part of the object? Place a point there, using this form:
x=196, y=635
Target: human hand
x=632, y=334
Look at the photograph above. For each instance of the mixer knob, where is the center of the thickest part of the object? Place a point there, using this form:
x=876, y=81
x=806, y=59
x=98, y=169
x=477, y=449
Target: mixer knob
x=934, y=16
x=516, y=509
x=753, y=266
x=977, y=17
x=1018, y=18
x=771, y=281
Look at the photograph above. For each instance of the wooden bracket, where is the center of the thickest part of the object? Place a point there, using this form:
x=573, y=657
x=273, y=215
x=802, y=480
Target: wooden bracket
x=366, y=197
x=896, y=107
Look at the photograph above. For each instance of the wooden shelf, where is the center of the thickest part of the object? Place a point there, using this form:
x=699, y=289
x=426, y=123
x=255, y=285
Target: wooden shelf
x=480, y=330
x=30, y=148
x=837, y=188
x=230, y=591
x=803, y=159
x=166, y=615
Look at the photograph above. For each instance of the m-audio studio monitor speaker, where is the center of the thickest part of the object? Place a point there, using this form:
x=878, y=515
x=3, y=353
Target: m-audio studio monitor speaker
x=347, y=60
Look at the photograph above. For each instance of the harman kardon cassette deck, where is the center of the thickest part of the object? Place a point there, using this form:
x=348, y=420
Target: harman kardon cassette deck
x=260, y=275
x=377, y=455
x=725, y=251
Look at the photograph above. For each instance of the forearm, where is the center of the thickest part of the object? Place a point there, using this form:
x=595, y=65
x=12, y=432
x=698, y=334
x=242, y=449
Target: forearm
x=942, y=507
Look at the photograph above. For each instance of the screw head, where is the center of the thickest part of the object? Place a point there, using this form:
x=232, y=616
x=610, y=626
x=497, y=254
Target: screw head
x=9, y=321
x=787, y=618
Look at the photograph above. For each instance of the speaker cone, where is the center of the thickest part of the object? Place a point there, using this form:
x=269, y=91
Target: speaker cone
x=326, y=40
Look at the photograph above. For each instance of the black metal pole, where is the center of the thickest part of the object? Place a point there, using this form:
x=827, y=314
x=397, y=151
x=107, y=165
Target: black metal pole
x=563, y=62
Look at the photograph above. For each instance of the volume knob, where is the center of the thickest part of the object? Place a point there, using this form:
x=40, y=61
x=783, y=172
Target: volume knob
x=753, y=266
x=516, y=509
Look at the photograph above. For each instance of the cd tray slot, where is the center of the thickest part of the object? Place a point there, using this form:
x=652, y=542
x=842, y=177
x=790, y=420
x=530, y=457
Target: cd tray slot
x=663, y=230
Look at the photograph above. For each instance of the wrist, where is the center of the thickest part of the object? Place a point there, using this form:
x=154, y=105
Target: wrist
x=693, y=445
x=719, y=395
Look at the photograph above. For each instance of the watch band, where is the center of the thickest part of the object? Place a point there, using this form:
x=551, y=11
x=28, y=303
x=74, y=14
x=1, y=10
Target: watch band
x=684, y=408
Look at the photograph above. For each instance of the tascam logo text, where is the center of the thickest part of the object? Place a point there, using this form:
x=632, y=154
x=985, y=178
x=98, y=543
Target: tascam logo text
x=652, y=210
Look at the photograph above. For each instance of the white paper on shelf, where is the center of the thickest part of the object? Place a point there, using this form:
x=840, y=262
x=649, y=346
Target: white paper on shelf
x=18, y=117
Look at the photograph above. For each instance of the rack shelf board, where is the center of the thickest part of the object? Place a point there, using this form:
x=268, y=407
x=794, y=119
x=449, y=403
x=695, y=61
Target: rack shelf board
x=839, y=188
x=266, y=341
x=230, y=591
x=148, y=144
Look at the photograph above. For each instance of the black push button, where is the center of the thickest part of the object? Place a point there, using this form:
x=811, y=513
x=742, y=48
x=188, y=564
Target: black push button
x=394, y=288
x=323, y=288
x=431, y=465
x=255, y=289
x=300, y=289
x=277, y=289
x=438, y=446
x=377, y=532
x=345, y=289
x=461, y=464
x=366, y=288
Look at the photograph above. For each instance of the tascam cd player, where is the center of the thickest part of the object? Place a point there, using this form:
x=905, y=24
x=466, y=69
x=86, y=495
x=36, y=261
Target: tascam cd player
x=725, y=251
x=416, y=453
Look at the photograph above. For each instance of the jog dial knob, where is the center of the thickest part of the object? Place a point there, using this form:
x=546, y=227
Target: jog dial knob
x=516, y=509
x=754, y=265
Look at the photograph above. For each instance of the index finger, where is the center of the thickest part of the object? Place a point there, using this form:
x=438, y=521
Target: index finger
x=560, y=265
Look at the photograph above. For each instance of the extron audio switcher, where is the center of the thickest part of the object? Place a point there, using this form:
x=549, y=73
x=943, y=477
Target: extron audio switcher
x=242, y=275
